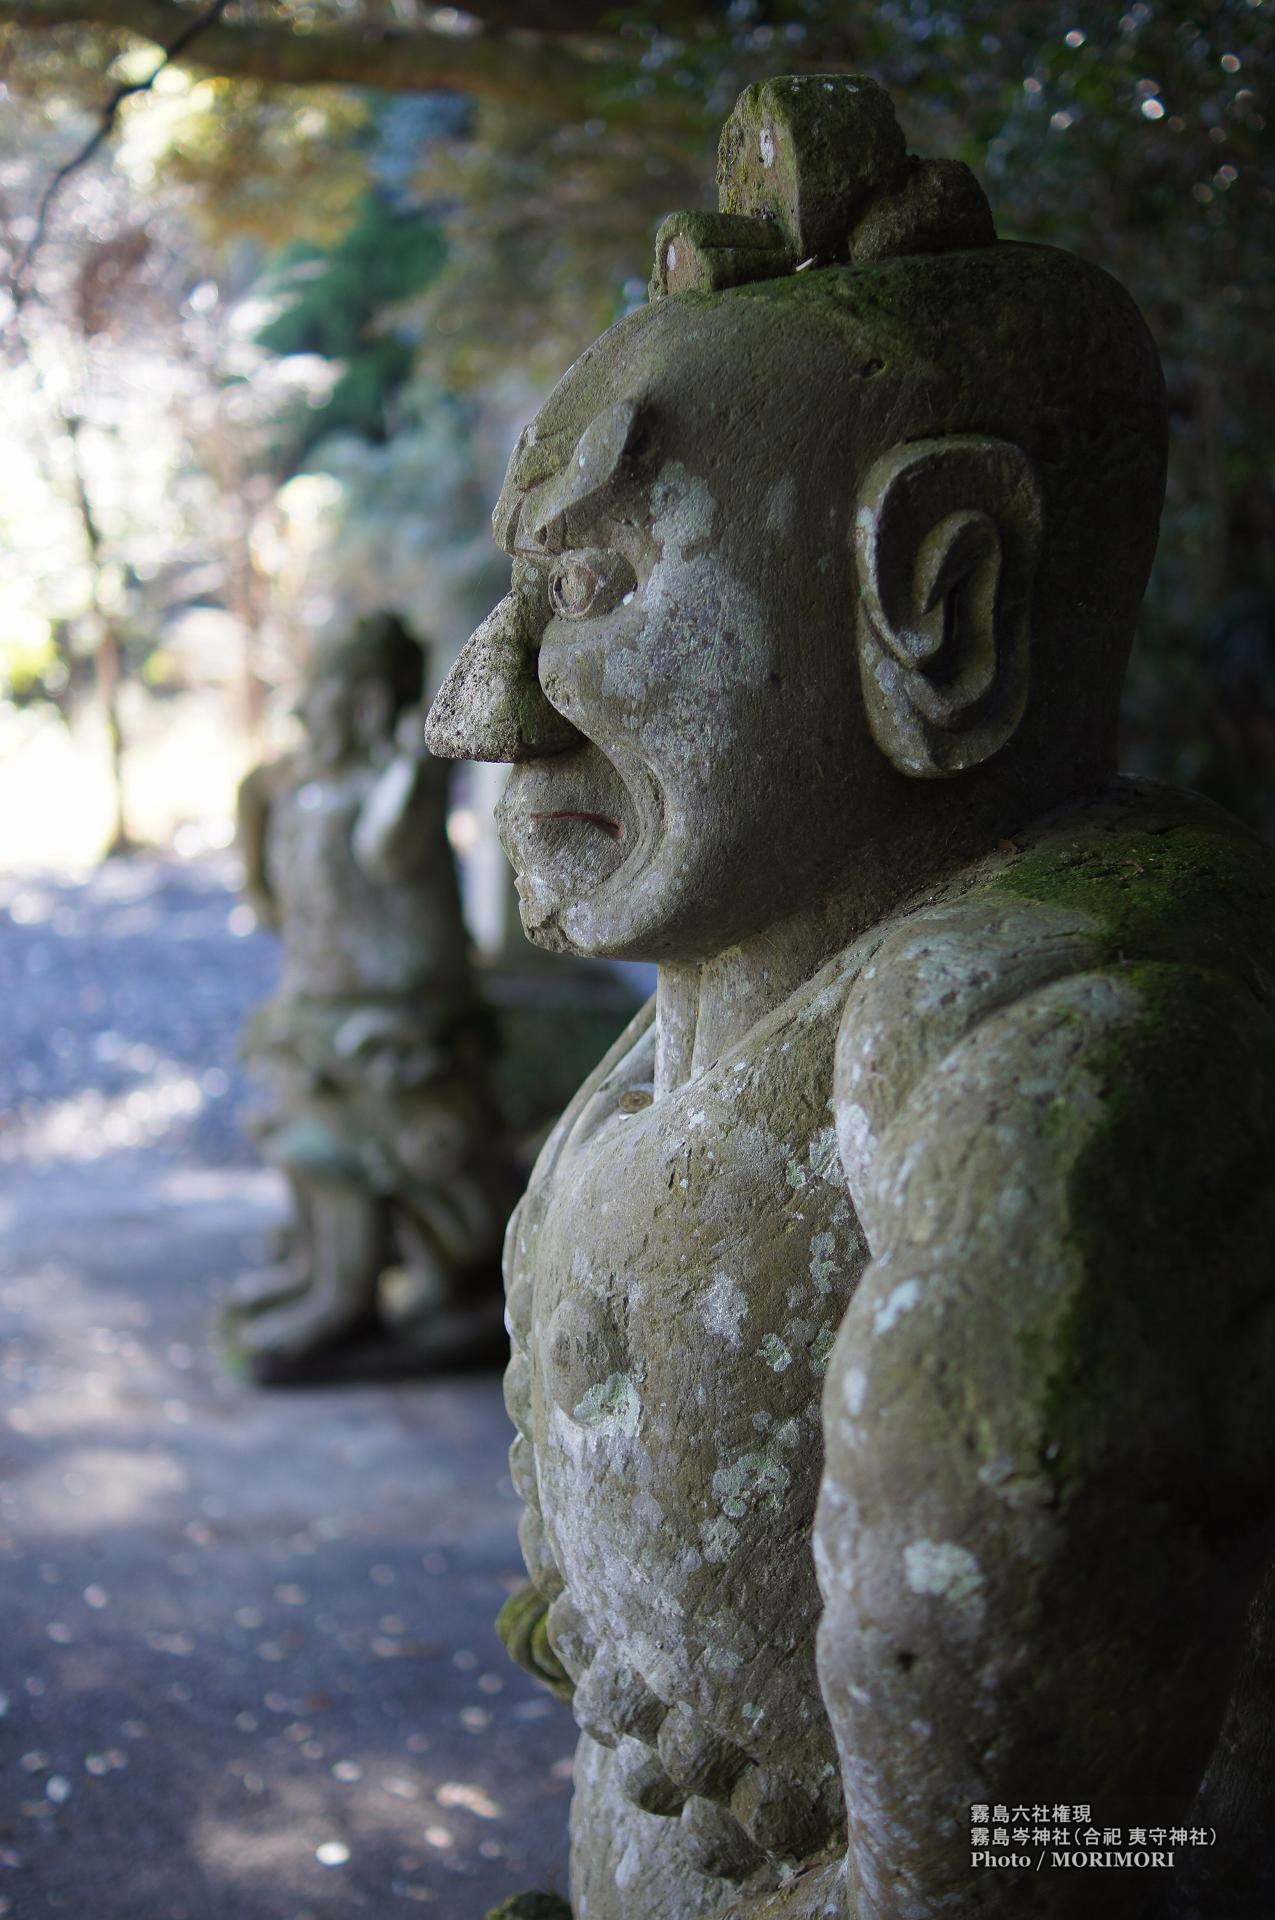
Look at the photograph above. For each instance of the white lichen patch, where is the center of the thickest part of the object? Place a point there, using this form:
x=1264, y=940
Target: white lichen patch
x=853, y=1388
x=781, y=506
x=903, y=1298
x=821, y=1346
x=719, y=1538
x=823, y=1267
x=688, y=1562
x=723, y=1308
x=754, y=1480
x=948, y=1571
x=684, y=509
x=647, y=1510
x=825, y=1157
x=631, y=1864
x=777, y=1356
x=857, y=1139
x=613, y=1404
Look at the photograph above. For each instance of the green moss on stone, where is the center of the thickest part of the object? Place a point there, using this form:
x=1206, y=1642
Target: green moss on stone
x=1195, y=890
x=1162, y=1212
x=521, y=1626
x=532, y=1906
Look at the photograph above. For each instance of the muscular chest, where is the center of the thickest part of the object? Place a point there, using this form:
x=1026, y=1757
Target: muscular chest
x=676, y=1279
x=702, y=1249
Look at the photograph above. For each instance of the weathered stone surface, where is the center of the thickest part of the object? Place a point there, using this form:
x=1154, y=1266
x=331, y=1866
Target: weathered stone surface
x=810, y=152
x=374, y=1047
x=917, y=1235
x=531, y=1906
x=936, y=204
x=700, y=252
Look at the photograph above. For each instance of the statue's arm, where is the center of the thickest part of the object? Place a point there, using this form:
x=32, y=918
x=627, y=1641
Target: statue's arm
x=252, y=824
x=1048, y=1425
x=400, y=831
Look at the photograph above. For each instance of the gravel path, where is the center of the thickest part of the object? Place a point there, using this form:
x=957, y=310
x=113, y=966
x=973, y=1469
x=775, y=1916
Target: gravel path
x=123, y=999
x=248, y=1670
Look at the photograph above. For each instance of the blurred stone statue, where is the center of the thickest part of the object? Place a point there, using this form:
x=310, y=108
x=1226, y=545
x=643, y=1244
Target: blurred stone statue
x=892, y=1308
x=375, y=1048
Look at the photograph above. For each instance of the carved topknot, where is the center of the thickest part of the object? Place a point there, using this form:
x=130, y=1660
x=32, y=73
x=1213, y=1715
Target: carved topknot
x=813, y=169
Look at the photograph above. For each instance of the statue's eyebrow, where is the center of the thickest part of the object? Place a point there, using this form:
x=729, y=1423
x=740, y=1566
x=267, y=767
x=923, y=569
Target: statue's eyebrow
x=547, y=514
x=577, y=528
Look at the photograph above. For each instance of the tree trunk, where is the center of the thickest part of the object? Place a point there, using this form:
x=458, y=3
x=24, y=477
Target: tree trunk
x=108, y=661
x=108, y=653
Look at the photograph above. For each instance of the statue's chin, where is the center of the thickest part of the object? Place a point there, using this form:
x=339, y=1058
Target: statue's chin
x=568, y=894
x=548, y=935
x=588, y=902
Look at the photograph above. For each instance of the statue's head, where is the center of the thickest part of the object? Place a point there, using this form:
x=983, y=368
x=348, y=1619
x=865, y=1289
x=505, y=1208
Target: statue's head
x=358, y=688
x=846, y=529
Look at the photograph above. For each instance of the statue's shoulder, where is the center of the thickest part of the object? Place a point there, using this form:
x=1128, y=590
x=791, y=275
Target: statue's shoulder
x=1146, y=877
x=626, y=1068
x=1155, y=875
x=265, y=783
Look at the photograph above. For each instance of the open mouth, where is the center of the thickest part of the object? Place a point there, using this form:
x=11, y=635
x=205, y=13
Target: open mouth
x=614, y=829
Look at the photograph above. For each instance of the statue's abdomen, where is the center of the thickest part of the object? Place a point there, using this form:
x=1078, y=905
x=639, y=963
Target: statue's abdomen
x=675, y=1286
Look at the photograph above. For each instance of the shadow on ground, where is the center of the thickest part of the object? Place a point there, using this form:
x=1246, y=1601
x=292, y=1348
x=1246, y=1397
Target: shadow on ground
x=248, y=1663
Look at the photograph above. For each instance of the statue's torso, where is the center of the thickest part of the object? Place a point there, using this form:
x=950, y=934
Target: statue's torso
x=346, y=934
x=691, y=1262
x=677, y=1269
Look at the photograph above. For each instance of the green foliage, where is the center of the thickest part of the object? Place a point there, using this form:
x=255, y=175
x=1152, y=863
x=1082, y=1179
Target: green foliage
x=1135, y=134
x=532, y=1906
x=335, y=301
x=274, y=165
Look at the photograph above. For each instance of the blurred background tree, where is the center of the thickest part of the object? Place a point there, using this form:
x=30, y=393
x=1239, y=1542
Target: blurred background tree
x=268, y=345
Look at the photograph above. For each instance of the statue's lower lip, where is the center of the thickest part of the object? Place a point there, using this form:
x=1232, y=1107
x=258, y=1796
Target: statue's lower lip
x=614, y=829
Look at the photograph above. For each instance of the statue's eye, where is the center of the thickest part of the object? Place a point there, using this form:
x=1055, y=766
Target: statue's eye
x=591, y=581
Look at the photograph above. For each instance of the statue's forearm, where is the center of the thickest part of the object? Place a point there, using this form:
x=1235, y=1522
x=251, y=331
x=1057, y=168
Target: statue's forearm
x=399, y=828
x=252, y=821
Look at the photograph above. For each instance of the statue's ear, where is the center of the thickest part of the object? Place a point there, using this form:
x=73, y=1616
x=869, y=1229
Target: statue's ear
x=947, y=535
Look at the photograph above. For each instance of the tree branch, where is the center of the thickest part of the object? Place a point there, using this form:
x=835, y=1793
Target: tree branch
x=195, y=25
x=555, y=81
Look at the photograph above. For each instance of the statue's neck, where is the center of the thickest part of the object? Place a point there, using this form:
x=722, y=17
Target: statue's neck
x=704, y=1007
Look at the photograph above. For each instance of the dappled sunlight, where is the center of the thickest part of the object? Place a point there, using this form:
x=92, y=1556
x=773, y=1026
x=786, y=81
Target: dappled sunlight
x=268, y=1616
x=90, y=1124
x=193, y=1187
x=338, y=1816
x=101, y=1487
x=184, y=765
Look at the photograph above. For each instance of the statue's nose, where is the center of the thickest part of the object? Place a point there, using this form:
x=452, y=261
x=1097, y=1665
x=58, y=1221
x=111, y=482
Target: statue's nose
x=490, y=707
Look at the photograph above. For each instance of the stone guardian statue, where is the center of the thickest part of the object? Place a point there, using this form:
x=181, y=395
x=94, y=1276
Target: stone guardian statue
x=375, y=1048
x=893, y=1311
